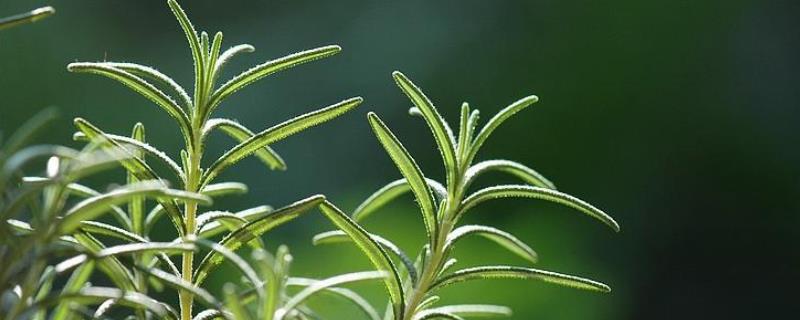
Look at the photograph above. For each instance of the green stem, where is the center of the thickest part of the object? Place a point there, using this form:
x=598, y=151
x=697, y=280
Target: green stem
x=193, y=175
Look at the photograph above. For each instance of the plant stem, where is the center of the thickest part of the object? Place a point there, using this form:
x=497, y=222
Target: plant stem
x=193, y=175
x=439, y=254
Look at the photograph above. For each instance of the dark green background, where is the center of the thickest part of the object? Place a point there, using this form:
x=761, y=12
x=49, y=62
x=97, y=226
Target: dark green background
x=676, y=117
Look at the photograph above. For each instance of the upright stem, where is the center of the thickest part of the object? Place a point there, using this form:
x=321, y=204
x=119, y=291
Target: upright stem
x=193, y=175
x=429, y=273
x=432, y=267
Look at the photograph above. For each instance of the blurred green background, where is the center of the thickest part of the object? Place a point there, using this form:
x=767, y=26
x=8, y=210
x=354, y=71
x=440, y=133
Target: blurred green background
x=679, y=118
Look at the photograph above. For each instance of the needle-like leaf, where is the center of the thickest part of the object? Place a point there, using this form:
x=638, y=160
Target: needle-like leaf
x=180, y=284
x=140, y=146
x=137, y=167
x=153, y=74
x=432, y=314
x=140, y=86
x=522, y=191
x=230, y=53
x=390, y=192
x=347, y=294
x=98, y=295
x=241, y=134
x=504, y=239
x=27, y=131
x=232, y=303
x=194, y=44
x=27, y=17
x=213, y=228
x=251, y=230
x=321, y=285
x=374, y=252
x=507, y=272
x=223, y=189
x=474, y=310
x=74, y=284
x=277, y=133
x=227, y=254
x=338, y=236
x=267, y=68
x=441, y=132
x=495, y=122
x=519, y=170
x=408, y=167
x=92, y=207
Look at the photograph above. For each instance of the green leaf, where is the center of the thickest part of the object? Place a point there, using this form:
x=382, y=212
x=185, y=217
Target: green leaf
x=94, y=206
x=103, y=308
x=428, y=314
x=409, y=169
x=111, y=266
x=474, y=310
x=230, y=53
x=463, y=138
x=223, y=253
x=137, y=167
x=527, y=175
x=131, y=299
x=82, y=191
x=194, y=44
x=495, y=122
x=239, y=132
x=374, y=252
x=276, y=133
x=208, y=314
x=153, y=74
x=321, y=285
x=211, y=62
x=232, y=303
x=251, y=230
x=349, y=295
x=272, y=271
x=140, y=86
x=223, y=189
x=27, y=131
x=213, y=228
x=227, y=219
x=390, y=192
x=182, y=285
x=521, y=191
x=76, y=281
x=27, y=17
x=132, y=248
x=136, y=205
x=161, y=247
x=338, y=236
x=267, y=68
x=441, y=132
x=430, y=300
x=140, y=146
x=95, y=227
x=507, y=272
x=472, y=123
x=504, y=239
x=23, y=157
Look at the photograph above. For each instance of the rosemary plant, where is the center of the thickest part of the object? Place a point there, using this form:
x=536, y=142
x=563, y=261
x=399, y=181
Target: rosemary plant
x=53, y=227
x=52, y=233
x=193, y=116
x=443, y=205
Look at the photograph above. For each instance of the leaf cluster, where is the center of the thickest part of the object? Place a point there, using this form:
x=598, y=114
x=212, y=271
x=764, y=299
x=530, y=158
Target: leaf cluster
x=61, y=235
x=413, y=289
